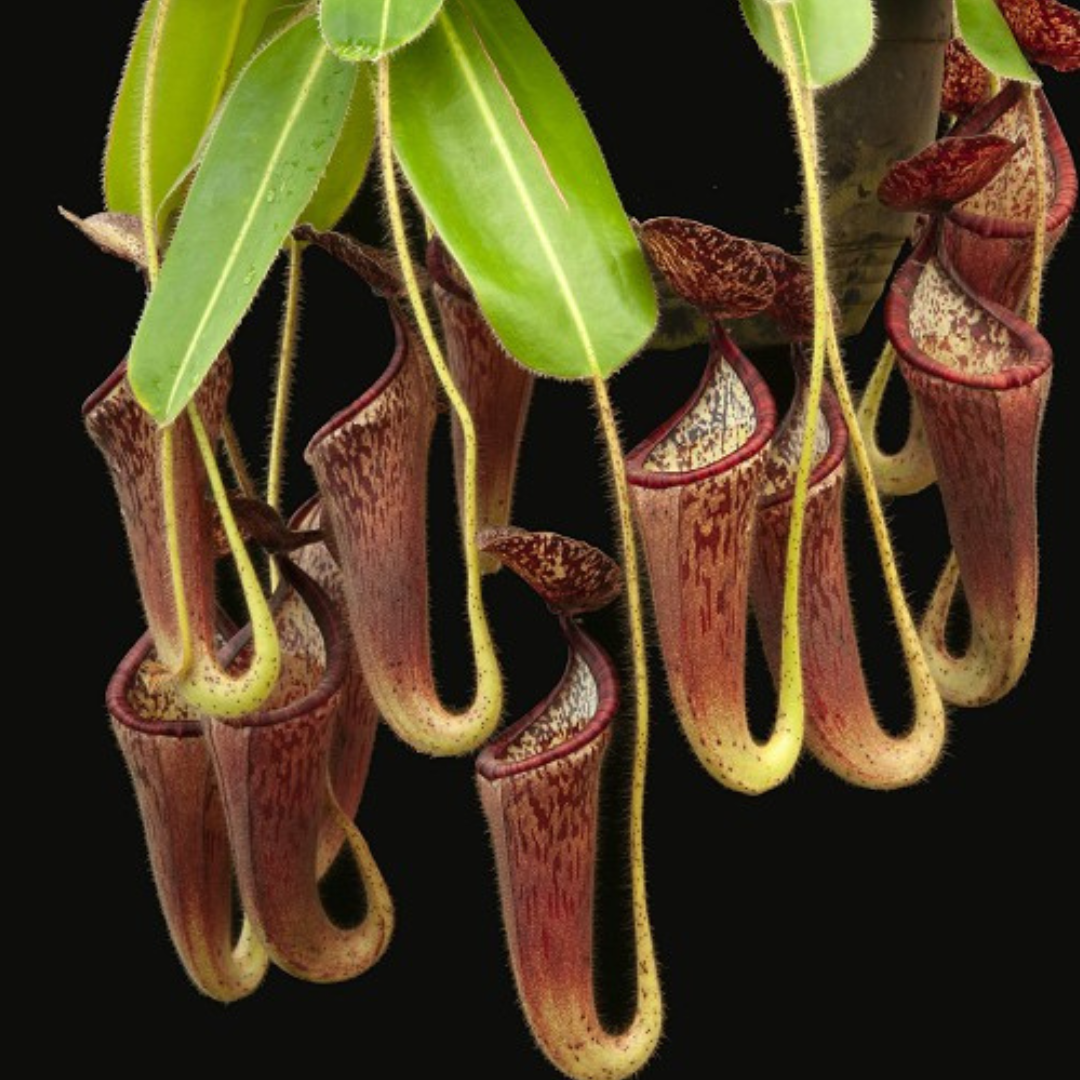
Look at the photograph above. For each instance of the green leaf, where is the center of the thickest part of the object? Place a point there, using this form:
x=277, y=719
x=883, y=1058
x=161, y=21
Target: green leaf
x=832, y=37
x=348, y=167
x=370, y=29
x=262, y=165
x=991, y=42
x=504, y=164
x=203, y=45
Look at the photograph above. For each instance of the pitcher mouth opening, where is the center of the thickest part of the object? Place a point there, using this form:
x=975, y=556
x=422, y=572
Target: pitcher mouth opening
x=121, y=707
x=898, y=308
x=105, y=388
x=372, y=393
x=722, y=349
x=505, y=756
x=120, y=693
x=828, y=462
x=995, y=227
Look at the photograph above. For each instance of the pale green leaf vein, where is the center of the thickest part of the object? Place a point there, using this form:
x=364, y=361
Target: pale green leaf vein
x=518, y=181
x=249, y=219
x=512, y=102
x=384, y=33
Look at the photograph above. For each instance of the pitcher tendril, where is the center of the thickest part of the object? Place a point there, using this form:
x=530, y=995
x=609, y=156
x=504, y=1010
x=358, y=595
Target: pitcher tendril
x=928, y=699
x=488, y=676
x=207, y=686
x=279, y=423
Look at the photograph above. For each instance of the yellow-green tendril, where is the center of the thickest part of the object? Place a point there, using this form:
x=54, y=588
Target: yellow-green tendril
x=488, y=675
x=286, y=363
x=910, y=469
x=1042, y=206
x=905, y=624
x=650, y=1004
x=805, y=119
x=791, y=701
x=646, y=1026
x=207, y=687
x=380, y=917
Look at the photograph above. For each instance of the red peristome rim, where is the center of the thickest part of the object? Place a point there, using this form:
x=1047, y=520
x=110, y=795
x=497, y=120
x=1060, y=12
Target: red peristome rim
x=115, y=378
x=764, y=410
x=117, y=695
x=299, y=517
x=897, y=324
x=1059, y=211
x=393, y=369
x=491, y=766
x=118, y=702
x=839, y=438
x=112, y=381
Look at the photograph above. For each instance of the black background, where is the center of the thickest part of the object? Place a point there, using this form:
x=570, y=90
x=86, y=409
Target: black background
x=819, y=914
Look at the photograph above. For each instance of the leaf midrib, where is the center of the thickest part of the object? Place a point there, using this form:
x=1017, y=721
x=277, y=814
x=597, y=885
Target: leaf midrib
x=487, y=115
x=234, y=253
x=384, y=30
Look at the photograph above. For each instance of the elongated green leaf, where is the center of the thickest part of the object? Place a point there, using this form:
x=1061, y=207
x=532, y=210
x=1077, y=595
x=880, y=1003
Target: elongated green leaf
x=203, y=45
x=262, y=165
x=349, y=165
x=991, y=42
x=505, y=165
x=370, y=29
x=833, y=37
x=262, y=20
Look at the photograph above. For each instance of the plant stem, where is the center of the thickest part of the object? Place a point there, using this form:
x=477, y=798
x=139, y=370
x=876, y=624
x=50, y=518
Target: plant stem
x=147, y=210
x=286, y=364
x=207, y=687
x=1042, y=201
x=484, y=659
